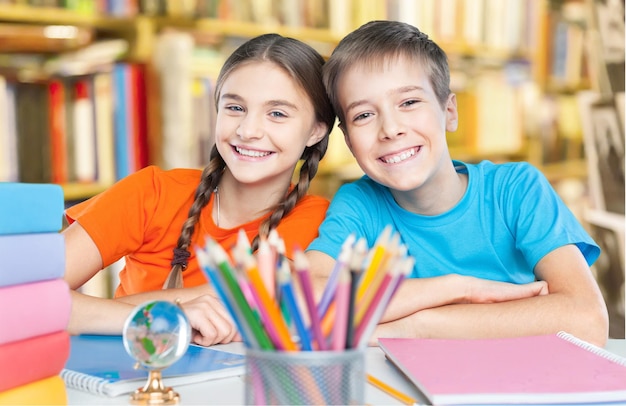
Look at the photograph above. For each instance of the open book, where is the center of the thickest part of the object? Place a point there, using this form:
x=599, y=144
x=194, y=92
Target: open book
x=100, y=365
x=546, y=369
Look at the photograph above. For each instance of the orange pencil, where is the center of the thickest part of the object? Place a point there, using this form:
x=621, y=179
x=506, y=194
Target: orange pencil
x=274, y=323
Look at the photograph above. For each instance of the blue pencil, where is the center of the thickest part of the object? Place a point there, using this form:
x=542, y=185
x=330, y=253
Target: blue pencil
x=284, y=281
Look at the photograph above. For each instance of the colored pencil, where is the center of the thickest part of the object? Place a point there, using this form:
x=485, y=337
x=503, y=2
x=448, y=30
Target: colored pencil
x=274, y=323
x=286, y=288
x=266, y=260
x=342, y=302
x=208, y=268
x=356, y=262
x=331, y=284
x=221, y=260
x=374, y=259
x=402, y=397
x=302, y=270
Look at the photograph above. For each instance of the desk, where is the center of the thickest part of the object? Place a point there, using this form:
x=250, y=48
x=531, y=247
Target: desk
x=229, y=391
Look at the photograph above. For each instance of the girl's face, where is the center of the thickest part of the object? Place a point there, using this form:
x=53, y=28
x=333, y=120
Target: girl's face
x=394, y=124
x=264, y=122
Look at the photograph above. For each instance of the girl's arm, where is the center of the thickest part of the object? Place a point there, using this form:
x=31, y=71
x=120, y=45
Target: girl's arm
x=207, y=315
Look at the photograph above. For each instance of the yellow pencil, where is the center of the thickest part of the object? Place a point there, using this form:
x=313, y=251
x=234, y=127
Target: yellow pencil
x=375, y=258
x=404, y=398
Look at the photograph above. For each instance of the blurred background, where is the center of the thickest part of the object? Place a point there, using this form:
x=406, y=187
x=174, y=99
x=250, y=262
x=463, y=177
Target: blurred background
x=92, y=90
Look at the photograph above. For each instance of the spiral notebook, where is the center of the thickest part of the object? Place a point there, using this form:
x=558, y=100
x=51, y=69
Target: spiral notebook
x=548, y=369
x=100, y=365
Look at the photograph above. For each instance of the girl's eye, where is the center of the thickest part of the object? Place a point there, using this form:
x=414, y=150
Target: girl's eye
x=234, y=108
x=277, y=114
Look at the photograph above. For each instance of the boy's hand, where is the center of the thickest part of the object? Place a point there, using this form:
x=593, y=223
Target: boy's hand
x=210, y=321
x=488, y=291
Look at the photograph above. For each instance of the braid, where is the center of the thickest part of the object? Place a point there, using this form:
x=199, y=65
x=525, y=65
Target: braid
x=209, y=180
x=312, y=156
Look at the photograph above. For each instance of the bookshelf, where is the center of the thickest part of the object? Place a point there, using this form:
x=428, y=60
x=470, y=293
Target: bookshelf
x=500, y=70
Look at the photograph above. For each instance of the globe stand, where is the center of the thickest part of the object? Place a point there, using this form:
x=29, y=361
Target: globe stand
x=154, y=392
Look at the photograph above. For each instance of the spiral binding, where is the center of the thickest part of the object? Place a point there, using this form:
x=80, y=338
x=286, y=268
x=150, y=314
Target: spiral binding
x=592, y=348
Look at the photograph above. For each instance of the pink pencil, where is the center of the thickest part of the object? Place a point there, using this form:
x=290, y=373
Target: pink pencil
x=302, y=270
x=266, y=261
x=342, y=301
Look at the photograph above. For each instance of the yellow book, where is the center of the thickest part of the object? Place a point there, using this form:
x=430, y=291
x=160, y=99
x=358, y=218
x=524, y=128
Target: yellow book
x=48, y=391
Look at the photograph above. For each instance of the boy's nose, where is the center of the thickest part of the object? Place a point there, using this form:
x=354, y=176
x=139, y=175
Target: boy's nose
x=391, y=127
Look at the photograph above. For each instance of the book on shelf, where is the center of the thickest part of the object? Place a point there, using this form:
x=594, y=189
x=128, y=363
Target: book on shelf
x=47, y=391
x=34, y=309
x=544, y=369
x=100, y=365
x=8, y=135
x=32, y=126
x=32, y=359
x=30, y=208
x=58, y=131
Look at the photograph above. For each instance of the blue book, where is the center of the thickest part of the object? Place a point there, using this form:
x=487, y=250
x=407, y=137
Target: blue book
x=100, y=365
x=121, y=72
x=30, y=208
x=31, y=258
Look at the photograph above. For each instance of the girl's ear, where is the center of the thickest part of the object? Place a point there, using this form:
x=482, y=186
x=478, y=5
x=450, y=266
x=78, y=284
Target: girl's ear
x=317, y=134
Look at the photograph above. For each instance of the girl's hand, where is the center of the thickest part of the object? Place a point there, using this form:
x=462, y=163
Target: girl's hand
x=210, y=321
x=488, y=291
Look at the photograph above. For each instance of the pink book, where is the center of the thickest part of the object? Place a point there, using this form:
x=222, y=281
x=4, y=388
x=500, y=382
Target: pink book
x=546, y=369
x=33, y=359
x=34, y=309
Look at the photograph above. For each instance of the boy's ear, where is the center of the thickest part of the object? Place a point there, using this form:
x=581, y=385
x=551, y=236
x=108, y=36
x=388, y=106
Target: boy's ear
x=452, y=114
x=318, y=133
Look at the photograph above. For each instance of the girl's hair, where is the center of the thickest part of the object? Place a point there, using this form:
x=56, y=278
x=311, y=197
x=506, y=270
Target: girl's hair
x=379, y=42
x=304, y=65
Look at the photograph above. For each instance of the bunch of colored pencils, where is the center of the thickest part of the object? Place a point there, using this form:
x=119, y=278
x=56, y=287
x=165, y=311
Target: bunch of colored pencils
x=259, y=289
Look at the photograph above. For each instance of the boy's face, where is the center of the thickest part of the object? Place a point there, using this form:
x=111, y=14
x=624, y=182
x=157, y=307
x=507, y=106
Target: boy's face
x=394, y=124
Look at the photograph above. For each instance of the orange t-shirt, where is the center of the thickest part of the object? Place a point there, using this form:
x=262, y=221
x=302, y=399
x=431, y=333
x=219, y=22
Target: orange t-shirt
x=141, y=216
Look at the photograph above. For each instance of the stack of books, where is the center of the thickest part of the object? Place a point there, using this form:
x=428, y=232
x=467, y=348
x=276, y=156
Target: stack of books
x=35, y=301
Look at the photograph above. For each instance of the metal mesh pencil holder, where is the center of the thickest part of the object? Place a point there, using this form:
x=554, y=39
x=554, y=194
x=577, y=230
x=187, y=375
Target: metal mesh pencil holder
x=305, y=377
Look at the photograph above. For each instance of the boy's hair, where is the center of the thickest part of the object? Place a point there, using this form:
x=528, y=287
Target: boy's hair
x=304, y=65
x=378, y=42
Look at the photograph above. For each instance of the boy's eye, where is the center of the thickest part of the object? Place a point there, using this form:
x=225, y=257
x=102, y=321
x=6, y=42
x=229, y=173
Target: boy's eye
x=362, y=116
x=409, y=103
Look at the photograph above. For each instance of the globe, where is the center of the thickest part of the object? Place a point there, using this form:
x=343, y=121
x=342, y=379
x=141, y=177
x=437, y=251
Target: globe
x=156, y=334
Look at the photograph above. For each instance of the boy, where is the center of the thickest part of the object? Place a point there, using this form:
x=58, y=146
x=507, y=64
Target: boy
x=389, y=85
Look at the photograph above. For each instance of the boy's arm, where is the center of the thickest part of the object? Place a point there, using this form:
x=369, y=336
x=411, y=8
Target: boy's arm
x=574, y=304
x=425, y=293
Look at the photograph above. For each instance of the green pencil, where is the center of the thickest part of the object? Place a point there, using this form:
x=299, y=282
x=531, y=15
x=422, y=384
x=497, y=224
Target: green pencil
x=221, y=260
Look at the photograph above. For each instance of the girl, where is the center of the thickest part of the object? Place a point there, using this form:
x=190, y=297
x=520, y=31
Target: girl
x=272, y=111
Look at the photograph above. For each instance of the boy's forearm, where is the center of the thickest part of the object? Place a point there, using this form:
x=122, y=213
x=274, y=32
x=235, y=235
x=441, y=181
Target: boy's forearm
x=547, y=314
x=419, y=294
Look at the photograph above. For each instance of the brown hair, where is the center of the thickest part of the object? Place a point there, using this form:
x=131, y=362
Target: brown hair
x=378, y=42
x=304, y=65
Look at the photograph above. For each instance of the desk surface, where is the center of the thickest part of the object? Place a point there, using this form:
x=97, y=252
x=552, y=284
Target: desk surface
x=229, y=391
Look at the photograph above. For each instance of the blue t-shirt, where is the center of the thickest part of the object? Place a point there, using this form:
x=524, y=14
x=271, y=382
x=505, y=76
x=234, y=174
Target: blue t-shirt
x=509, y=218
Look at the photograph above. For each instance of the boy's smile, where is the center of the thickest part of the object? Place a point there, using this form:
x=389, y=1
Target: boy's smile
x=396, y=127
